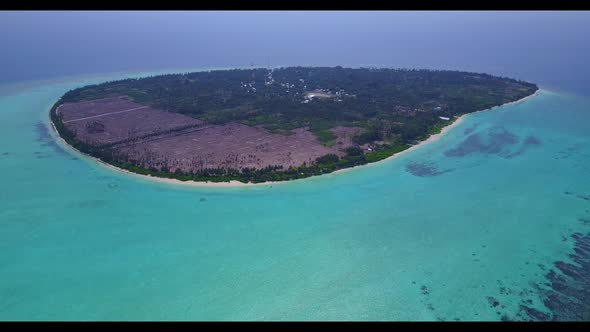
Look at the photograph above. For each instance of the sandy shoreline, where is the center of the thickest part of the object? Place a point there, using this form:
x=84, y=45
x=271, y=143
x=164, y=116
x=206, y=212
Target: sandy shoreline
x=235, y=183
x=444, y=130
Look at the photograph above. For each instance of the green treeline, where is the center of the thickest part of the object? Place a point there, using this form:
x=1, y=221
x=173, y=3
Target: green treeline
x=374, y=99
x=394, y=107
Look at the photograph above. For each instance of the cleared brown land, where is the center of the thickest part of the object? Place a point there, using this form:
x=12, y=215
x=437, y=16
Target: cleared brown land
x=155, y=138
x=344, y=136
x=230, y=146
x=116, y=119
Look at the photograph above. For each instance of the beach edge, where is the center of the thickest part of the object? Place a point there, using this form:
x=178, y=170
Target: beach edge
x=235, y=183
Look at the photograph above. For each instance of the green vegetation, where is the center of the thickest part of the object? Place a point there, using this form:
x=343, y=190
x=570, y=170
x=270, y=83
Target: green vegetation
x=395, y=106
x=325, y=136
x=384, y=151
x=368, y=98
x=368, y=137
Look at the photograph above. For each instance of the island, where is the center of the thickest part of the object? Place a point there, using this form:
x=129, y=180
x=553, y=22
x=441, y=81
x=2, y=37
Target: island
x=258, y=125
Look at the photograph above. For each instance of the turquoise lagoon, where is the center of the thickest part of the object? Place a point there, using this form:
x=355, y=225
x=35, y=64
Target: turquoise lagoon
x=467, y=227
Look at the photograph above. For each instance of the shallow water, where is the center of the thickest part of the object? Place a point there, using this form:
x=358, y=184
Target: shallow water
x=465, y=228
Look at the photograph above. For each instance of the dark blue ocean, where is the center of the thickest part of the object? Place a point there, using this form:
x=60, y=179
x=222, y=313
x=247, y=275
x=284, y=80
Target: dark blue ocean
x=546, y=47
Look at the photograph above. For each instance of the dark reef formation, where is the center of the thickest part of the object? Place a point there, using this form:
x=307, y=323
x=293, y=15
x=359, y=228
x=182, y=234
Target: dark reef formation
x=568, y=294
x=493, y=302
x=471, y=129
x=570, y=150
x=528, y=142
x=578, y=195
x=496, y=140
x=45, y=138
x=424, y=169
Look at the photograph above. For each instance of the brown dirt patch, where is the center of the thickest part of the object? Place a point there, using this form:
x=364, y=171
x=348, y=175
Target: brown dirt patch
x=155, y=138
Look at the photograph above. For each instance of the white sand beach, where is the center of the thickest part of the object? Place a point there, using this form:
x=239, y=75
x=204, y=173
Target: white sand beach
x=234, y=183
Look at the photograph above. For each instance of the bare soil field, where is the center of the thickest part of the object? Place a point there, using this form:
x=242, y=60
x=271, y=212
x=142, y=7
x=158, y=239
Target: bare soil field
x=116, y=119
x=229, y=146
x=158, y=139
x=344, y=136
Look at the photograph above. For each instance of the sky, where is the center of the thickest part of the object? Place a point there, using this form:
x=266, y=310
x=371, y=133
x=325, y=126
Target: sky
x=549, y=48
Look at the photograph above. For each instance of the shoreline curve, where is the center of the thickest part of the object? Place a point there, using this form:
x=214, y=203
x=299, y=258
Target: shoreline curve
x=235, y=183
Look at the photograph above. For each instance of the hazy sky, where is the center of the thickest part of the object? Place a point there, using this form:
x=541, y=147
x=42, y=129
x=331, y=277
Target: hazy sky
x=546, y=47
